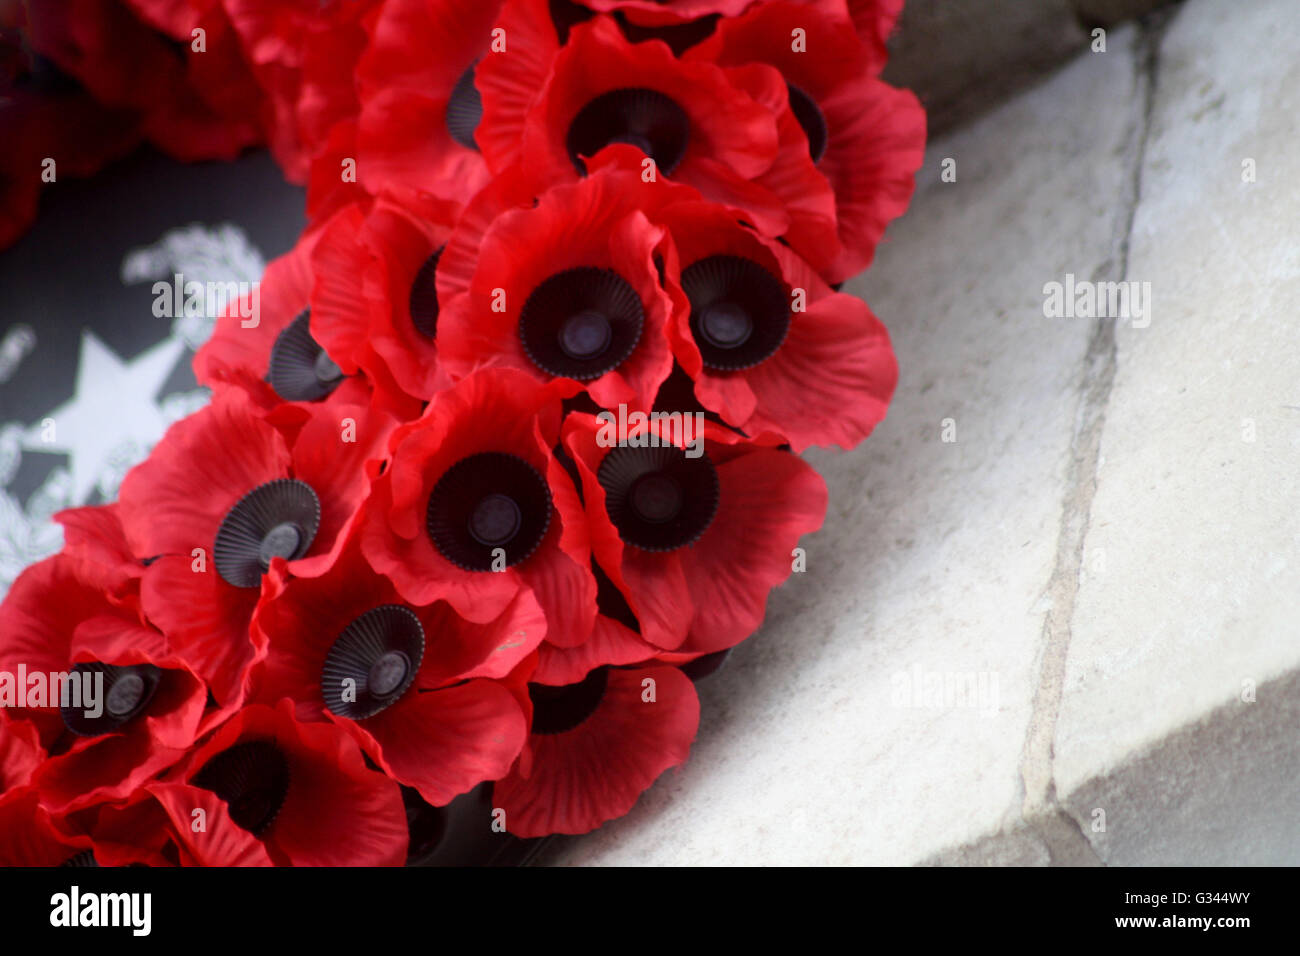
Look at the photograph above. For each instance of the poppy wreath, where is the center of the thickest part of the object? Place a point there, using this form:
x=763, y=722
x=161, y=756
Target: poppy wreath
x=509, y=453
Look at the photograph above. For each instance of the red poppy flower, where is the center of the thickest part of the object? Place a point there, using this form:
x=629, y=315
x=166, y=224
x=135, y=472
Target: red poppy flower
x=46, y=115
x=31, y=836
x=274, y=788
x=125, y=64
x=475, y=508
x=771, y=348
x=553, y=109
x=412, y=685
x=866, y=137
x=277, y=353
x=570, y=289
x=419, y=104
x=303, y=54
x=132, y=706
x=694, y=542
x=376, y=293
x=594, y=747
x=222, y=495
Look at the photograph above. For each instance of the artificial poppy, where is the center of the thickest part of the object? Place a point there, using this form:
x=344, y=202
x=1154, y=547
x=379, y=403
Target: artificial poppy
x=866, y=137
x=693, y=526
x=474, y=507
x=570, y=288
x=770, y=346
x=595, y=745
x=225, y=493
x=413, y=685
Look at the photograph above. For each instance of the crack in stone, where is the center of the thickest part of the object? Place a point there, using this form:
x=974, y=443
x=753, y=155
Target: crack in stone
x=1066, y=842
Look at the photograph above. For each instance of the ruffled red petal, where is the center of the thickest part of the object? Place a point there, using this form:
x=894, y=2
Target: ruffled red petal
x=446, y=742
x=175, y=500
x=29, y=835
x=331, y=792
x=596, y=771
x=876, y=147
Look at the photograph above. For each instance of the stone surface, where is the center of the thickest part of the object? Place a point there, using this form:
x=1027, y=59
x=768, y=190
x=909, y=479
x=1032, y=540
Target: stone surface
x=1221, y=792
x=936, y=555
x=1192, y=568
x=963, y=56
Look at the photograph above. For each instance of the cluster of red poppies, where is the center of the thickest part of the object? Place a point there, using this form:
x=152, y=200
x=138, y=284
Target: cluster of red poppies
x=497, y=453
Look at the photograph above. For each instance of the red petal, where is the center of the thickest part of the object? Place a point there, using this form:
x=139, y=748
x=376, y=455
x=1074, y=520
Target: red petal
x=446, y=742
x=596, y=772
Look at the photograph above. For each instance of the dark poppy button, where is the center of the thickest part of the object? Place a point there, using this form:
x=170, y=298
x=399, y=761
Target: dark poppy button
x=464, y=110
x=423, y=300
x=495, y=520
x=658, y=498
x=581, y=323
x=126, y=691
x=252, y=778
x=726, y=325
x=487, y=502
x=740, y=312
x=300, y=370
x=276, y=519
x=811, y=118
x=585, y=335
x=560, y=709
x=373, y=662
x=647, y=119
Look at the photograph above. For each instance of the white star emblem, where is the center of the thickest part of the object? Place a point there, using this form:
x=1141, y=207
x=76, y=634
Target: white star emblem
x=114, y=406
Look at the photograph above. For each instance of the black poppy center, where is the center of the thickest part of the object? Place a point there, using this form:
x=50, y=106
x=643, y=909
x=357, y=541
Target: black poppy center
x=299, y=369
x=464, y=110
x=423, y=300
x=740, y=312
x=581, y=323
x=489, y=511
x=388, y=673
x=656, y=498
x=373, y=662
x=644, y=118
x=125, y=696
x=83, y=859
x=276, y=519
x=126, y=690
x=585, y=335
x=726, y=324
x=282, y=541
x=496, y=520
x=557, y=709
x=659, y=499
x=811, y=118
x=253, y=780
